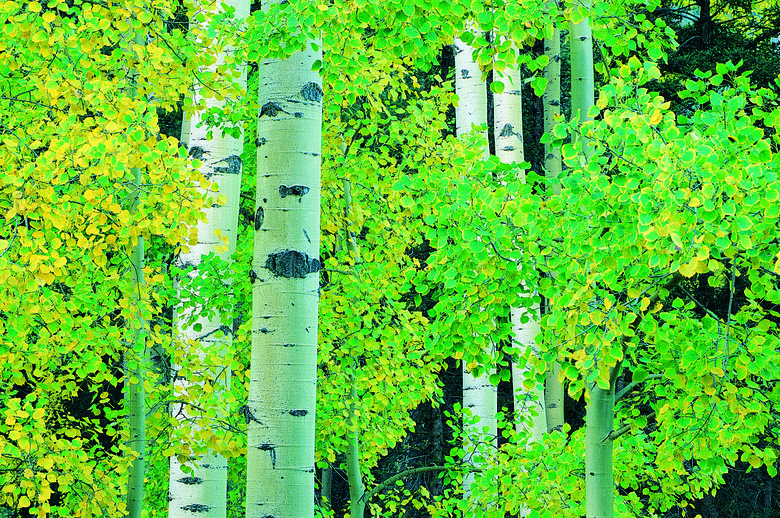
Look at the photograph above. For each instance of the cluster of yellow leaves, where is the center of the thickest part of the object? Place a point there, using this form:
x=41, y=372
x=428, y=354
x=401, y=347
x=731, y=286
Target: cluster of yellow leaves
x=81, y=88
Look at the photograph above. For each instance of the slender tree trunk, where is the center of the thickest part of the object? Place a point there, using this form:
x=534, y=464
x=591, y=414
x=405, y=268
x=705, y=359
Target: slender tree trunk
x=581, y=43
x=204, y=490
x=508, y=131
x=135, y=359
x=479, y=395
x=551, y=101
x=327, y=488
x=530, y=416
x=136, y=354
x=354, y=476
x=357, y=490
x=282, y=392
x=599, y=484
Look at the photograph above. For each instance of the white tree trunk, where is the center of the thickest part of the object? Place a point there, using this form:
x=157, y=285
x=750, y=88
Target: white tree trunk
x=530, y=417
x=479, y=395
x=581, y=43
x=204, y=491
x=282, y=392
x=508, y=128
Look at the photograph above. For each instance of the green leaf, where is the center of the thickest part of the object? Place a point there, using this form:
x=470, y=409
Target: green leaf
x=744, y=223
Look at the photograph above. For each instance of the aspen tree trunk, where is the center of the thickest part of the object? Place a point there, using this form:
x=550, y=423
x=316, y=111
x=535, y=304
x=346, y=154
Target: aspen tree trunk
x=552, y=165
x=357, y=490
x=282, y=391
x=600, y=435
x=508, y=131
x=599, y=484
x=327, y=488
x=135, y=358
x=204, y=490
x=479, y=395
x=530, y=416
x=581, y=43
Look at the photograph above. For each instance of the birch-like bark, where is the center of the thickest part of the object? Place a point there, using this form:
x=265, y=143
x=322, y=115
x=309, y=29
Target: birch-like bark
x=479, y=395
x=551, y=101
x=282, y=391
x=508, y=131
x=204, y=490
x=581, y=43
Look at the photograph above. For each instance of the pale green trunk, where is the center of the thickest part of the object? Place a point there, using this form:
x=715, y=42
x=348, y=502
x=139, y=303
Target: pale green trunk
x=282, y=391
x=356, y=488
x=581, y=43
x=551, y=100
x=204, y=490
x=553, y=397
x=354, y=476
x=327, y=488
x=599, y=485
x=136, y=354
x=135, y=359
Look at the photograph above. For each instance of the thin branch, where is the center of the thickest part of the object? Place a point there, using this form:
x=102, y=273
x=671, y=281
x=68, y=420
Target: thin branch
x=633, y=384
x=614, y=434
x=732, y=287
x=368, y=495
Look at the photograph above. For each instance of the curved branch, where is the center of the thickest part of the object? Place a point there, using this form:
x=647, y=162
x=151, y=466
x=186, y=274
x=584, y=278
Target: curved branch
x=368, y=495
x=633, y=384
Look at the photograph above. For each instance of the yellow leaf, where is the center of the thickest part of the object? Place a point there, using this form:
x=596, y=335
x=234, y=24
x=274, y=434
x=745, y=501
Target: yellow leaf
x=656, y=117
x=49, y=16
x=38, y=414
x=689, y=269
x=34, y=7
x=23, y=502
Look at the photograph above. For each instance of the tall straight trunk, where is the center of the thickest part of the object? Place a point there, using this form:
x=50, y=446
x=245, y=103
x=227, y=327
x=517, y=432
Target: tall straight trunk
x=479, y=395
x=357, y=489
x=551, y=101
x=508, y=132
x=135, y=358
x=283, y=377
x=599, y=484
x=530, y=418
x=327, y=488
x=204, y=490
x=581, y=43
